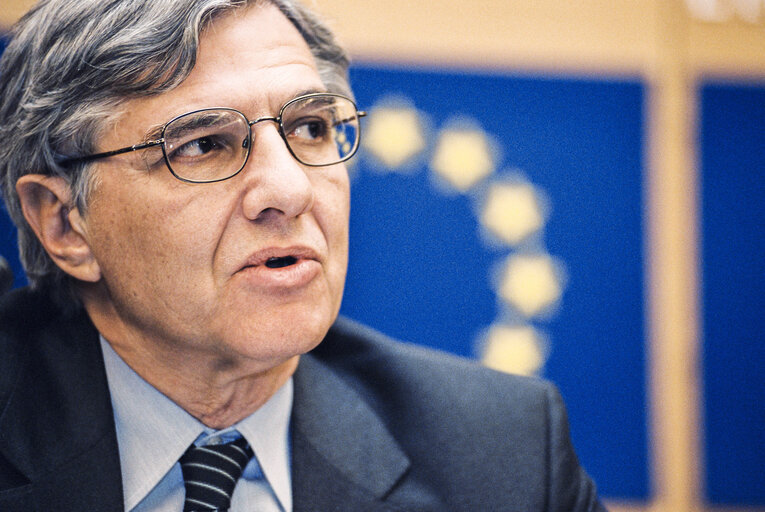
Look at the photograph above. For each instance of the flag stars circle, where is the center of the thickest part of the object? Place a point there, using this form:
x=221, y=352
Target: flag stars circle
x=462, y=157
x=512, y=212
x=530, y=283
x=394, y=135
x=513, y=349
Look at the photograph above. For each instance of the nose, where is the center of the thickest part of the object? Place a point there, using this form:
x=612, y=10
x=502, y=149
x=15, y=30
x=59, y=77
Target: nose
x=278, y=187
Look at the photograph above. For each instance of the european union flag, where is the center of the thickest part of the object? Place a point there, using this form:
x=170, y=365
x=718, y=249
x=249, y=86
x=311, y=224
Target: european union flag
x=500, y=217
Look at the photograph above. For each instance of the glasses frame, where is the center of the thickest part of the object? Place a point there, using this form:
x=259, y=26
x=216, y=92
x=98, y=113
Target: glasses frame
x=67, y=162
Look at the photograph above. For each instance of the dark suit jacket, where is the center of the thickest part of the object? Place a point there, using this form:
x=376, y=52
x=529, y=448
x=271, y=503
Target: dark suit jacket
x=376, y=426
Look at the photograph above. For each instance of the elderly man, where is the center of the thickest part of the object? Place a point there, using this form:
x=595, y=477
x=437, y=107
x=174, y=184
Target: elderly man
x=175, y=170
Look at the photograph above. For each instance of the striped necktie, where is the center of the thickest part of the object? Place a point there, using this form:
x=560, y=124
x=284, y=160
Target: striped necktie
x=211, y=472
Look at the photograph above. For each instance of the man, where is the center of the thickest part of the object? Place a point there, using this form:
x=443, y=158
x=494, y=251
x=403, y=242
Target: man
x=176, y=173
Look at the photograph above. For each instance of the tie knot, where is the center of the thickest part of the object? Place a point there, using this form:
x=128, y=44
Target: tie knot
x=211, y=472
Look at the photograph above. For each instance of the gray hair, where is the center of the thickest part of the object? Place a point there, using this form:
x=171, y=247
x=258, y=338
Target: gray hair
x=71, y=63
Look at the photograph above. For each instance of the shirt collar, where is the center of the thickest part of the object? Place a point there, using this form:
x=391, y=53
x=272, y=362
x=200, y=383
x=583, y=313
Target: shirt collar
x=153, y=432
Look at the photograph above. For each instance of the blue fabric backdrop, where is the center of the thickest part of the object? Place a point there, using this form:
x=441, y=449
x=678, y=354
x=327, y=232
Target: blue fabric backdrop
x=733, y=235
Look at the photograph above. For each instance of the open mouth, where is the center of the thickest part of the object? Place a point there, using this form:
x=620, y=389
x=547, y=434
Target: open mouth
x=285, y=261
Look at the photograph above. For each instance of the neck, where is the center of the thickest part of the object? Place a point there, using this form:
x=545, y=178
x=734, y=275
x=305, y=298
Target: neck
x=217, y=392
x=219, y=399
x=219, y=389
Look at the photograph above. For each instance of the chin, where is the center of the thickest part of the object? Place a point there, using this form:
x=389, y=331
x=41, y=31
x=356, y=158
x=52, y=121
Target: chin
x=278, y=338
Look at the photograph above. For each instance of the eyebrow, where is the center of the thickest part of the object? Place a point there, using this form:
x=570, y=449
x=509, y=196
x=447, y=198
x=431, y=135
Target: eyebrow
x=154, y=132
x=202, y=119
x=303, y=92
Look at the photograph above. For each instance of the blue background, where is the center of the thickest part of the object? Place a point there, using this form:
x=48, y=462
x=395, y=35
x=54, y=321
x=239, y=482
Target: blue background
x=733, y=276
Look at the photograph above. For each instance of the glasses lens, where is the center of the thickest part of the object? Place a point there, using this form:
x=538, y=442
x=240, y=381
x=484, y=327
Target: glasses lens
x=321, y=129
x=208, y=145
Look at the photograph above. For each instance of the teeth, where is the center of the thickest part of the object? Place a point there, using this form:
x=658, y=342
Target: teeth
x=280, y=262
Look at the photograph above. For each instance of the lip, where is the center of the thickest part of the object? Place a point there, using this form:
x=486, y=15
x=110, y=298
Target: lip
x=306, y=267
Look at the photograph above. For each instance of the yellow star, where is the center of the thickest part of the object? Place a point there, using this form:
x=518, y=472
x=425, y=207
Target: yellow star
x=512, y=212
x=463, y=157
x=530, y=283
x=394, y=135
x=513, y=350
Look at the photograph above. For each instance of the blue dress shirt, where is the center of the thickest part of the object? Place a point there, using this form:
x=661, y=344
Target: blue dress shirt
x=153, y=432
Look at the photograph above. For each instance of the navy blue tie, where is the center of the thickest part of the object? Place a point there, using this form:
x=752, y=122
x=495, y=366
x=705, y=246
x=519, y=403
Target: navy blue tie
x=210, y=474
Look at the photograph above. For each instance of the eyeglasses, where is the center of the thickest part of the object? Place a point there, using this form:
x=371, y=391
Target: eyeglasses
x=213, y=144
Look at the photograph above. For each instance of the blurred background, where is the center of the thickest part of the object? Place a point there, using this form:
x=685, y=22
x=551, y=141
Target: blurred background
x=573, y=190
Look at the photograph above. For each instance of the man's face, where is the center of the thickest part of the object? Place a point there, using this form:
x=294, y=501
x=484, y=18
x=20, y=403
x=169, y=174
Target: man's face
x=183, y=265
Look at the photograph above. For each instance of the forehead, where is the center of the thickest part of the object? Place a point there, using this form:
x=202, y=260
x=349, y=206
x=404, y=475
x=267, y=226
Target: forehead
x=252, y=59
x=253, y=40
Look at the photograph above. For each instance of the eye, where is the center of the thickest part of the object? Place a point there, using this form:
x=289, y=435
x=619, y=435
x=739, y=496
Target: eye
x=198, y=147
x=309, y=129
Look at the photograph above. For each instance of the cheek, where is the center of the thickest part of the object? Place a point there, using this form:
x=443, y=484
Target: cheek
x=333, y=209
x=146, y=237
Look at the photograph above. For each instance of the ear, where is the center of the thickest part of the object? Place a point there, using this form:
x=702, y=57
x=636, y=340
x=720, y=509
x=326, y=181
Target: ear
x=47, y=205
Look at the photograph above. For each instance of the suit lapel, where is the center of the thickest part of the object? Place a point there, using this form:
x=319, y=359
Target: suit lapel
x=58, y=426
x=343, y=457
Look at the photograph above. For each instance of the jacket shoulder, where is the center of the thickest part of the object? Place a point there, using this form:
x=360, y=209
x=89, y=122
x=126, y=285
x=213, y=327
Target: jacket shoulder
x=449, y=412
x=25, y=314
x=371, y=359
x=459, y=403
x=18, y=317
